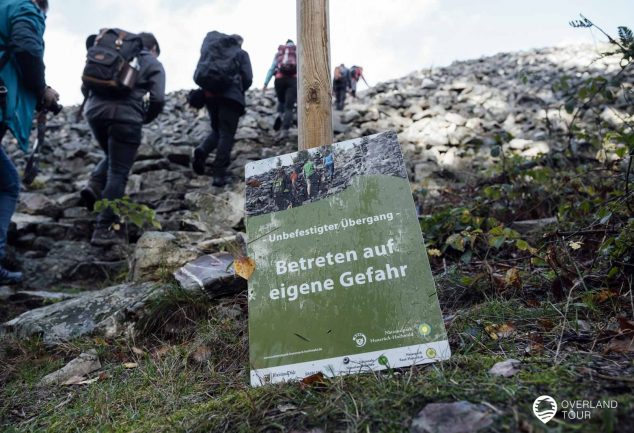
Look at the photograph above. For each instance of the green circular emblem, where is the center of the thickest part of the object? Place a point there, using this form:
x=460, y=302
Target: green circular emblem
x=424, y=329
x=383, y=360
x=431, y=352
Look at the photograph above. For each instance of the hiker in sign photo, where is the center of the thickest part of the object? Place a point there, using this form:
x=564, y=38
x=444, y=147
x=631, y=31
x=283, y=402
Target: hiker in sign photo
x=329, y=164
x=310, y=176
x=284, y=68
x=282, y=193
x=24, y=90
x=340, y=85
x=224, y=75
x=116, y=110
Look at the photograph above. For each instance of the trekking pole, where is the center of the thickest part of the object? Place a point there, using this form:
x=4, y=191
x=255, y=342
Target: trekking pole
x=33, y=164
x=80, y=112
x=363, y=78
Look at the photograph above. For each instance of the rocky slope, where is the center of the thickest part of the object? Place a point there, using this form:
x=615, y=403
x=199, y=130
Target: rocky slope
x=447, y=119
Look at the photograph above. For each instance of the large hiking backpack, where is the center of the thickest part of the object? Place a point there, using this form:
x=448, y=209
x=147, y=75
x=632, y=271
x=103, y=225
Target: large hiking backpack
x=111, y=62
x=286, y=59
x=218, y=66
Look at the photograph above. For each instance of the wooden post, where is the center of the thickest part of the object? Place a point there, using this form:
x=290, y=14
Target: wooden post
x=314, y=89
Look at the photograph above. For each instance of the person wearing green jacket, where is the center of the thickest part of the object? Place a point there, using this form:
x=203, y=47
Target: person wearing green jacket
x=23, y=90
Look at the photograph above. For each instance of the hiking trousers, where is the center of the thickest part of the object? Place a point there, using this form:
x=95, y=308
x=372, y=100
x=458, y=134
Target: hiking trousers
x=340, y=96
x=286, y=92
x=9, y=191
x=120, y=142
x=224, y=115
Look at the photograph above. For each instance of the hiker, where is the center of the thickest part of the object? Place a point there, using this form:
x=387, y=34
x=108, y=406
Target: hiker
x=356, y=74
x=282, y=190
x=310, y=176
x=116, y=115
x=340, y=85
x=284, y=67
x=224, y=74
x=329, y=163
x=22, y=24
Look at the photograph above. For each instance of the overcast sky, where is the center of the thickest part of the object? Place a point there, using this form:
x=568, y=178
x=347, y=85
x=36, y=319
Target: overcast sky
x=389, y=38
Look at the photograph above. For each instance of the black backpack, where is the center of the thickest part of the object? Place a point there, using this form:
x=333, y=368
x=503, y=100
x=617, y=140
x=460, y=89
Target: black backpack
x=111, y=66
x=218, y=66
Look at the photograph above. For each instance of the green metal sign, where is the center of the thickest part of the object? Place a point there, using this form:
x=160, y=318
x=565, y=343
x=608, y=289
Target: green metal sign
x=342, y=281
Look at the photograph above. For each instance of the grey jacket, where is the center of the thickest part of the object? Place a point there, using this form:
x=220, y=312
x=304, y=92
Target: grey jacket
x=151, y=79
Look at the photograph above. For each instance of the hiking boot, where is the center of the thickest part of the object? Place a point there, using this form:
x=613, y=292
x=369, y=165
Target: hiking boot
x=89, y=196
x=198, y=161
x=221, y=180
x=277, y=124
x=105, y=237
x=8, y=277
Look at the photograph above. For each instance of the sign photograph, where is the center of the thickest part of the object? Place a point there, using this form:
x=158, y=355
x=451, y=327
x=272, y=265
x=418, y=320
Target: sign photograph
x=342, y=282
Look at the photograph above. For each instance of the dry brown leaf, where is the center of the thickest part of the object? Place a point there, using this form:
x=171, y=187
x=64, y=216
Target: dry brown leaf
x=138, y=351
x=160, y=352
x=512, y=278
x=504, y=330
x=313, y=379
x=79, y=380
x=130, y=365
x=201, y=355
x=626, y=326
x=244, y=266
x=604, y=295
x=621, y=345
x=254, y=183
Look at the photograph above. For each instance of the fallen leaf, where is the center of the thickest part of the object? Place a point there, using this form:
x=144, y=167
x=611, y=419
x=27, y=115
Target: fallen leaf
x=604, y=295
x=160, y=352
x=500, y=331
x=626, y=326
x=433, y=252
x=286, y=407
x=512, y=278
x=73, y=380
x=201, y=355
x=138, y=351
x=575, y=245
x=621, y=345
x=313, y=378
x=244, y=267
x=533, y=303
x=507, y=368
x=254, y=183
x=130, y=365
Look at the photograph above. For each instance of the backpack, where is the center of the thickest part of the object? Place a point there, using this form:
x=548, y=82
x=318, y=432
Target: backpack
x=111, y=62
x=286, y=59
x=356, y=72
x=218, y=66
x=340, y=74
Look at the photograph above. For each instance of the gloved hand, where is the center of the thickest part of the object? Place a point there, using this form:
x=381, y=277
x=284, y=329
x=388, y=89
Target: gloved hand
x=49, y=99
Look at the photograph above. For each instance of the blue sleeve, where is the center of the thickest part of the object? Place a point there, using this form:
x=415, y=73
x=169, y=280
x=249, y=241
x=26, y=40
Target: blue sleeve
x=271, y=71
x=27, y=31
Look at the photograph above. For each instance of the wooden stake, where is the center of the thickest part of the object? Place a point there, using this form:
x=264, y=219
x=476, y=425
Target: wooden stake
x=314, y=89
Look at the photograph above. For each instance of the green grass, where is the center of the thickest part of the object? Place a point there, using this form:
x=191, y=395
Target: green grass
x=170, y=391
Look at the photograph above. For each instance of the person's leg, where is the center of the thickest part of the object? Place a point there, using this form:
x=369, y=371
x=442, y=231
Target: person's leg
x=9, y=191
x=93, y=190
x=228, y=116
x=290, y=98
x=202, y=151
x=123, y=143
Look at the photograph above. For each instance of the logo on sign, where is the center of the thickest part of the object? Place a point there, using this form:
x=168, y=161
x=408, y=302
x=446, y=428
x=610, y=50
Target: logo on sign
x=359, y=339
x=545, y=408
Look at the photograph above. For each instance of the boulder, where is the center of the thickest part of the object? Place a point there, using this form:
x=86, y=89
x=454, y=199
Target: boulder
x=158, y=252
x=104, y=311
